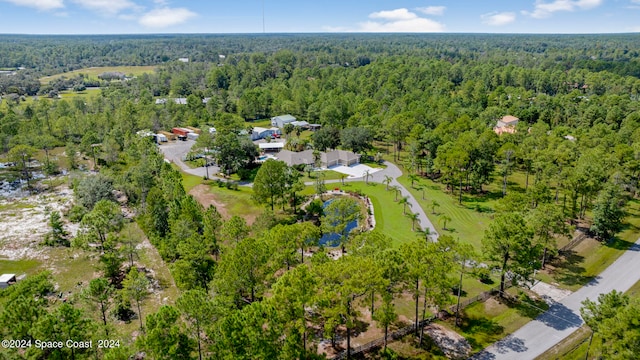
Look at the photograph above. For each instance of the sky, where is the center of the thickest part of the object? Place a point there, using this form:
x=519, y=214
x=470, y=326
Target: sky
x=320, y=16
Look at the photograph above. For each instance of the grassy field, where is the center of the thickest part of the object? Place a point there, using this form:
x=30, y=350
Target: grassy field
x=236, y=202
x=467, y=222
x=93, y=72
x=388, y=213
x=18, y=267
x=591, y=257
x=91, y=92
x=484, y=323
x=327, y=175
x=470, y=218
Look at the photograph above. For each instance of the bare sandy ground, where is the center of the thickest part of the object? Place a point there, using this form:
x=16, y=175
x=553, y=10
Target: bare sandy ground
x=25, y=221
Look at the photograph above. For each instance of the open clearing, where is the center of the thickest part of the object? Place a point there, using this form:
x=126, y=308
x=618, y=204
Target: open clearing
x=93, y=72
x=24, y=223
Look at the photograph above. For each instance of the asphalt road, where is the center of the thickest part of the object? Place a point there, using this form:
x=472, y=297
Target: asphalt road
x=563, y=317
x=175, y=151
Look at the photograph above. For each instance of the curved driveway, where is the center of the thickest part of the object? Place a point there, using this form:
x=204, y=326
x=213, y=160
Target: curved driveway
x=175, y=151
x=394, y=172
x=563, y=317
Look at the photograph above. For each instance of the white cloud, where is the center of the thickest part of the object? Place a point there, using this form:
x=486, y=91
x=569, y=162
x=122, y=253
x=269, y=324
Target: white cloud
x=397, y=14
x=39, y=4
x=545, y=9
x=412, y=25
x=399, y=20
x=109, y=7
x=498, y=19
x=164, y=17
x=433, y=10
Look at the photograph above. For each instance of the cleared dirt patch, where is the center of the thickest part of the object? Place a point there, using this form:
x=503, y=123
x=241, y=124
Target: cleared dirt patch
x=454, y=345
x=226, y=204
x=206, y=198
x=24, y=222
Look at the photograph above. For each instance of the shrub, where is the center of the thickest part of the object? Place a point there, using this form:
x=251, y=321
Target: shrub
x=484, y=275
x=76, y=213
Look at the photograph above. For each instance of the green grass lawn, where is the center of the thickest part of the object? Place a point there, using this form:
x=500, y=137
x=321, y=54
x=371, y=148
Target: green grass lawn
x=237, y=202
x=188, y=181
x=265, y=123
x=484, y=323
x=18, y=267
x=327, y=175
x=591, y=257
x=91, y=92
x=388, y=213
x=467, y=223
x=93, y=72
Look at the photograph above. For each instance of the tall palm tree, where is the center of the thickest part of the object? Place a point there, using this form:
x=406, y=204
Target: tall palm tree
x=444, y=219
x=414, y=218
x=396, y=188
x=426, y=233
x=405, y=201
x=366, y=177
x=434, y=205
x=413, y=178
x=387, y=180
x=342, y=177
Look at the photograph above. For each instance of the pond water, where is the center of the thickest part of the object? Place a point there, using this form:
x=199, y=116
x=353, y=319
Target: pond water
x=333, y=239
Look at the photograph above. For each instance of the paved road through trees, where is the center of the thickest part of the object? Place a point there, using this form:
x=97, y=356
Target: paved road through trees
x=563, y=317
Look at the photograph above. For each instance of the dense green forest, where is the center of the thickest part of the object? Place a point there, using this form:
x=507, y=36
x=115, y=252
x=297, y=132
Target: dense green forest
x=247, y=291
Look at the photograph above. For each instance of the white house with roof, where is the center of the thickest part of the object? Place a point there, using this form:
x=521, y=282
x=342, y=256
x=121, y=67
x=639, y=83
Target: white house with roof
x=327, y=159
x=282, y=120
x=506, y=125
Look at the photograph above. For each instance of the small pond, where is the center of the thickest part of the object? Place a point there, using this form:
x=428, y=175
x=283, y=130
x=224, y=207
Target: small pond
x=333, y=239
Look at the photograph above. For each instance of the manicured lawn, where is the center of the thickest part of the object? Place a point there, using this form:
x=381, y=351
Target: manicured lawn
x=466, y=224
x=93, y=72
x=388, y=213
x=327, y=175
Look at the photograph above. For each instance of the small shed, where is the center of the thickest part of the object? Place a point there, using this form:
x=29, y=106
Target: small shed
x=6, y=280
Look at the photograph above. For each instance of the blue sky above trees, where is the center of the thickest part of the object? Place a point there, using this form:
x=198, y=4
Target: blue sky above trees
x=246, y=16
